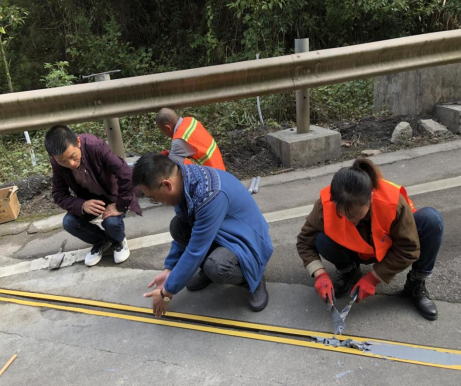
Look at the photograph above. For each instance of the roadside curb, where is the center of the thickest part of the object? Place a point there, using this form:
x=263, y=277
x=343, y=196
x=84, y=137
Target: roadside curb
x=381, y=159
x=48, y=224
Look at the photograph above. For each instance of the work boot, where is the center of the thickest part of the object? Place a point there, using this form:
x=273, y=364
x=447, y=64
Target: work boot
x=417, y=291
x=346, y=280
x=259, y=298
x=198, y=282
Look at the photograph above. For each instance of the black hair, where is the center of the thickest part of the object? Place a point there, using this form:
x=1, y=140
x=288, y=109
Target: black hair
x=58, y=139
x=166, y=116
x=352, y=187
x=151, y=169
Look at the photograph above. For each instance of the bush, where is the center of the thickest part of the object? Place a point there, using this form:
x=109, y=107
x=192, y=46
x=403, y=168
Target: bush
x=57, y=75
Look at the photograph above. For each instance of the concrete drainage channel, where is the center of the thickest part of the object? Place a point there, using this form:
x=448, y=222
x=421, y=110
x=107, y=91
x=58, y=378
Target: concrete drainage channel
x=381, y=349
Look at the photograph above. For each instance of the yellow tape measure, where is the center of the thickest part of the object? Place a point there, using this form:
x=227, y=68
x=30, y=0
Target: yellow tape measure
x=441, y=357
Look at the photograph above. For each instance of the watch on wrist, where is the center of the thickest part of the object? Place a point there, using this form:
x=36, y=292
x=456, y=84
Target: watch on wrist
x=164, y=297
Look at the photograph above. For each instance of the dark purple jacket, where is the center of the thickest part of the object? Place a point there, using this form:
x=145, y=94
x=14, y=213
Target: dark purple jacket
x=105, y=169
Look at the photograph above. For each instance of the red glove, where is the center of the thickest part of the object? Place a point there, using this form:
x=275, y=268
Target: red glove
x=165, y=152
x=324, y=287
x=366, y=286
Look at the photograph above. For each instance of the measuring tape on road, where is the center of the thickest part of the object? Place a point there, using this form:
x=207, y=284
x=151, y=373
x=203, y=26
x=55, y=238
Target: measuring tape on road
x=368, y=347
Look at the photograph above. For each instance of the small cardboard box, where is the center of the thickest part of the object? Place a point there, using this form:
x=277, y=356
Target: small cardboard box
x=9, y=204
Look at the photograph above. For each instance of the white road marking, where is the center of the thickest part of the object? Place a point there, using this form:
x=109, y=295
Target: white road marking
x=164, y=238
x=287, y=214
x=434, y=186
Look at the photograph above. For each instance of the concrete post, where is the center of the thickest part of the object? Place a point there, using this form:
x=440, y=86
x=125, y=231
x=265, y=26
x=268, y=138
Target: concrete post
x=302, y=96
x=112, y=126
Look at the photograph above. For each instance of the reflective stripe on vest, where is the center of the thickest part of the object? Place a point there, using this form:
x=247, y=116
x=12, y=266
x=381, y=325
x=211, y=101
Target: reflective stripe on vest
x=190, y=129
x=383, y=211
x=208, y=153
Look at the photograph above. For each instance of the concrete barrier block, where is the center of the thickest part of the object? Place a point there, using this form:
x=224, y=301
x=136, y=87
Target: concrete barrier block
x=307, y=149
x=450, y=116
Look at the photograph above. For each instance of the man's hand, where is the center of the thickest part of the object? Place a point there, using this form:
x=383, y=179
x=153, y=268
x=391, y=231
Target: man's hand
x=159, y=306
x=366, y=286
x=324, y=287
x=159, y=280
x=94, y=207
x=111, y=211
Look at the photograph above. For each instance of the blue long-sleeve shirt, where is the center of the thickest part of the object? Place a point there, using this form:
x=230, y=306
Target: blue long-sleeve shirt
x=220, y=210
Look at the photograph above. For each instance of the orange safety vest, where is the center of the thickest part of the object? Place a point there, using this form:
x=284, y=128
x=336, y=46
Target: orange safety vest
x=384, y=209
x=208, y=153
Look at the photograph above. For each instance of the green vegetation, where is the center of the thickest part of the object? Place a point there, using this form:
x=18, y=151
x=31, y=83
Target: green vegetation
x=57, y=75
x=52, y=43
x=10, y=18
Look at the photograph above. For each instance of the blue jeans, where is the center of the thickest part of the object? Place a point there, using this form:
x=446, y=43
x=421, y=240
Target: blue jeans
x=83, y=229
x=430, y=226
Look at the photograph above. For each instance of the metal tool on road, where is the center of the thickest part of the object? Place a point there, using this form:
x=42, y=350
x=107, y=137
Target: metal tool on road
x=339, y=318
x=345, y=311
x=254, y=185
x=56, y=260
x=338, y=322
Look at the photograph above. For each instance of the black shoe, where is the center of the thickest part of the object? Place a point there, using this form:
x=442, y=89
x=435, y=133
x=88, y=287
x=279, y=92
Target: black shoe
x=345, y=281
x=259, y=298
x=198, y=282
x=417, y=291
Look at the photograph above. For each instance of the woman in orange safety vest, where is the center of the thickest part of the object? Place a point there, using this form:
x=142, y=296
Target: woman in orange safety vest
x=363, y=219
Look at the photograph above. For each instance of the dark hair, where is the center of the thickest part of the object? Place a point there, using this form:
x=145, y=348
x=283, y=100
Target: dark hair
x=58, y=139
x=151, y=168
x=351, y=187
x=165, y=116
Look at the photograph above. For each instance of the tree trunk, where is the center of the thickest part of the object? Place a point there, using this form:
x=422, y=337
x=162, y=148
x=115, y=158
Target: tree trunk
x=5, y=63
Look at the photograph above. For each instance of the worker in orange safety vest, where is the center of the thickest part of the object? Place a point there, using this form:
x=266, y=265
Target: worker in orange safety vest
x=362, y=219
x=192, y=144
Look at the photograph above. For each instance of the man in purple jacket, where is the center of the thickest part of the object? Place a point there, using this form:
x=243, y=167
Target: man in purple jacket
x=101, y=185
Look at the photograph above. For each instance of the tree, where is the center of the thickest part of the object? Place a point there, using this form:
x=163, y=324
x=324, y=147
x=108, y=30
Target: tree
x=10, y=18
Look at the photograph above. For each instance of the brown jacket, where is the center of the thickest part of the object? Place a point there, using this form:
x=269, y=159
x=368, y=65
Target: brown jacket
x=403, y=252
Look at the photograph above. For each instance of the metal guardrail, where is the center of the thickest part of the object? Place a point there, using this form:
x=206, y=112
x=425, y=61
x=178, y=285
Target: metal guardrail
x=33, y=110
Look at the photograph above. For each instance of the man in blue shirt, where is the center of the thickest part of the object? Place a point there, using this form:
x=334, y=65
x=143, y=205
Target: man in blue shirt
x=218, y=229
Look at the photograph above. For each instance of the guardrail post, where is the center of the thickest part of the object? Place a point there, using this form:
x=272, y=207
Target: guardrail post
x=302, y=96
x=111, y=125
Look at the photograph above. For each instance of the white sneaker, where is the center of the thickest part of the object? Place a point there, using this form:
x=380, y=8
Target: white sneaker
x=121, y=251
x=95, y=255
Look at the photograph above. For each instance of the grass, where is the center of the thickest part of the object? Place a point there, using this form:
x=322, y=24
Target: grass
x=139, y=133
